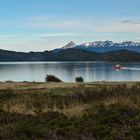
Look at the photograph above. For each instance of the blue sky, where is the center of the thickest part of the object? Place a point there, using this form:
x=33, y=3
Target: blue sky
x=38, y=25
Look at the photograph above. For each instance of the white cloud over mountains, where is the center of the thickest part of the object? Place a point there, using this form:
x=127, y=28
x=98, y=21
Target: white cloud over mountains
x=87, y=24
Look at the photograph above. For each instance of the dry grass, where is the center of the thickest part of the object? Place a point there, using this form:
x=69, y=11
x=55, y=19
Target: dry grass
x=36, y=85
x=28, y=108
x=25, y=103
x=69, y=111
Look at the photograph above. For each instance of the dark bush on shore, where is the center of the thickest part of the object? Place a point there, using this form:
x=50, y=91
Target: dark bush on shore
x=52, y=78
x=79, y=79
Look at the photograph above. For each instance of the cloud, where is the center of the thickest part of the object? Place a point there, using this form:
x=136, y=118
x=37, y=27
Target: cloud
x=64, y=34
x=89, y=24
x=77, y=25
x=131, y=21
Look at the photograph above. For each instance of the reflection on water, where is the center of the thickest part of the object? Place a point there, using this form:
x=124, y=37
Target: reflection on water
x=67, y=71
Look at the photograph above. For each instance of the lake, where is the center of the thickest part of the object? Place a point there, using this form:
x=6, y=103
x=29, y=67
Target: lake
x=67, y=71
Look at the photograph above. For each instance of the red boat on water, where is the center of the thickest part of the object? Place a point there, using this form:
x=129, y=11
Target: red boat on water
x=118, y=67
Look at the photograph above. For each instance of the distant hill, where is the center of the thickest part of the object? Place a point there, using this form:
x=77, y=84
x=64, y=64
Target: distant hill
x=72, y=54
x=121, y=56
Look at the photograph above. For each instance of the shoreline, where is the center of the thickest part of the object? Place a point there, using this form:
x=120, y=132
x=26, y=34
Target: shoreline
x=44, y=86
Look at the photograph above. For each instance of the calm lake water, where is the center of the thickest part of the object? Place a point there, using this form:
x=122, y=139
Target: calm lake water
x=67, y=71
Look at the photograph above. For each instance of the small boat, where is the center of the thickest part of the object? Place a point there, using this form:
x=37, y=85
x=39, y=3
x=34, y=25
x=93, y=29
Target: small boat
x=118, y=67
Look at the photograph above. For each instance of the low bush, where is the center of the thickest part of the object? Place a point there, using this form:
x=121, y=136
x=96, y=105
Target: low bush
x=79, y=79
x=52, y=78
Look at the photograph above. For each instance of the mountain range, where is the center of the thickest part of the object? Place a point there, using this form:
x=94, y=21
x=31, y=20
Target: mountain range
x=94, y=51
x=105, y=46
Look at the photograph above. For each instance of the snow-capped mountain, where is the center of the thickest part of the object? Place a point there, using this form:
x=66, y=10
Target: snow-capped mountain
x=105, y=46
x=69, y=45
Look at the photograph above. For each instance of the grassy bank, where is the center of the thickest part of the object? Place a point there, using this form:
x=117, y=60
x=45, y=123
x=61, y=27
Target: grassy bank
x=59, y=111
